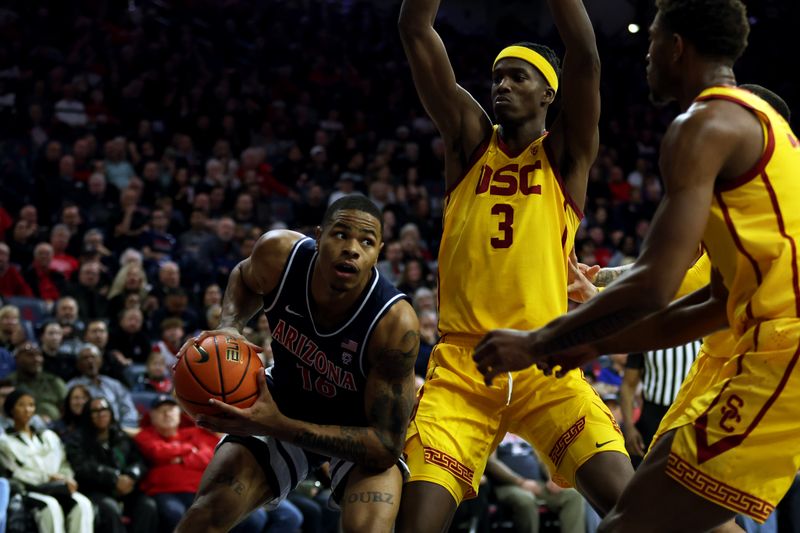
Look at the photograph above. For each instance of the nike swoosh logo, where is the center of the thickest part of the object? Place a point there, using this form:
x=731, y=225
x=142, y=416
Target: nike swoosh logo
x=203, y=354
x=601, y=444
x=288, y=310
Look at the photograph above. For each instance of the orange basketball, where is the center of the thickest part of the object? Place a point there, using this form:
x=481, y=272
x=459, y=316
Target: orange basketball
x=221, y=367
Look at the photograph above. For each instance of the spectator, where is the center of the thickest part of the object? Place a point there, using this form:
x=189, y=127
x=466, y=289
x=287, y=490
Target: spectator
x=118, y=170
x=169, y=278
x=70, y=110
x=172, y=337
x=220, y=253
x=67, y=314
x=130, y=279
x=113, y=360
x=11, y=331
x=129, y=338
x=129, y=221
x=522, y=485
x=190, y=242
x=37, y=459
x=414, y=276
x=424, y=300
x=99, y=200
x=110, y=389
x=71, y=410
x=62, y=261
x=46, y=283
x=391, y=266
x=109, y=468
x=156, y=376
x=176, y=305
x=59, y=359
x=47, y=389
x=428, y=337
x=157, y=242
x=177, y=457
x=88, y=292
x=11, y=281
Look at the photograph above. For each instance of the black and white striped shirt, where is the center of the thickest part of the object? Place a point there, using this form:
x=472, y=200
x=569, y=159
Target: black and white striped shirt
x=664, y=371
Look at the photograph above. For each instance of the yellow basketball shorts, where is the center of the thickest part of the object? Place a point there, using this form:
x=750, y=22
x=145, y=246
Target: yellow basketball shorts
x=737, y=436
x=459, y=421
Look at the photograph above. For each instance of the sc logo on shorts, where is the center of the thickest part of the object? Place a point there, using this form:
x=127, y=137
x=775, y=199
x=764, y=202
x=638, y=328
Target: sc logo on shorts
x=730, y=413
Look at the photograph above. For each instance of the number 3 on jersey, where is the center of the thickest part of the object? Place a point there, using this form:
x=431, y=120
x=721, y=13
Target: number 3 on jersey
x=505, y=212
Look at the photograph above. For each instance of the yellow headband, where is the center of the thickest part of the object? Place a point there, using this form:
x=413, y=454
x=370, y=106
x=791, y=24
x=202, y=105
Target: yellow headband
x=534, y=58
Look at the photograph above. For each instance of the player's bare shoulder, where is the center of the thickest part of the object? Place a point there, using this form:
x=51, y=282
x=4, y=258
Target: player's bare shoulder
x=262, y=270
x=720, y=129
x=394, y=345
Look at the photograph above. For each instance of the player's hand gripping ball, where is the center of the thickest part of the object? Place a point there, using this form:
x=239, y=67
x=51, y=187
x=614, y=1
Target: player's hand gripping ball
x=220, y=367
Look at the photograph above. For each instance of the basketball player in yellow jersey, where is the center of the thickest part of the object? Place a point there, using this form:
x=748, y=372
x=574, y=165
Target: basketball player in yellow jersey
x=514, y=192
x=730, y=164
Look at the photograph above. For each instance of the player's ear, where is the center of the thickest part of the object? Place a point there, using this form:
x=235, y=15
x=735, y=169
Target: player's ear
x=678, y=45
x=548, y=97
x=317, y=235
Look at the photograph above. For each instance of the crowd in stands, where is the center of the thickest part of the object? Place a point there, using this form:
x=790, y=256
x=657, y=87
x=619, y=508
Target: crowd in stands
x=143, y=151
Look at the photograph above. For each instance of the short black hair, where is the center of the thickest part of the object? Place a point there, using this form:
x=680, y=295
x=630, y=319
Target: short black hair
x=545, y=51
x=356, y=202
x=777, y=103
x=716, y=28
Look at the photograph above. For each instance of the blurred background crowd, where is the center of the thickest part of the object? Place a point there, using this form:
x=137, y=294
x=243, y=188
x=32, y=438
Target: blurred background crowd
x=144, y=148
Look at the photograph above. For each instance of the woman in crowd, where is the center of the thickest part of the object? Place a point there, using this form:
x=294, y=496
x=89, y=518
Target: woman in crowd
x=108, y=465
x=76, y=398
x=37, y=460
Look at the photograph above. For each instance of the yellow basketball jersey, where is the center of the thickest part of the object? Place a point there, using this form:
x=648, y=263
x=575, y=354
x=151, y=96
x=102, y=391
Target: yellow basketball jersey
x=754, y=222
x=509, y=226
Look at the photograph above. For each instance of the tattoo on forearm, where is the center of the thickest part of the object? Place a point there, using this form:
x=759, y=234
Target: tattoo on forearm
x=349, y=444
x=227, y=479
x=392, y=407
x=370, y=497
x=607, y=275
x=591, y=331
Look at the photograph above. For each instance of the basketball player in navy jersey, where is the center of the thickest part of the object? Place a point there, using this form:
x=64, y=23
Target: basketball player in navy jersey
x=342, y=386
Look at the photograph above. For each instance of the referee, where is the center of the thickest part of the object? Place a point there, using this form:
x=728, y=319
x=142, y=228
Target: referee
x=661, y=373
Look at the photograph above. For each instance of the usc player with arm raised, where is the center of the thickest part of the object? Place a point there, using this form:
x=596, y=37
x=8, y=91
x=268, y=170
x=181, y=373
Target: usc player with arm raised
x=513, y=204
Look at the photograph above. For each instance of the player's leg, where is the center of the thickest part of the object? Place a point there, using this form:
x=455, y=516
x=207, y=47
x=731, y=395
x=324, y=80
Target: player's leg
x=233, y=485
x=602, y=478
x=370, y=500
x=575, y=433
x=425, y=508
x=449, y=440
x=655, y=502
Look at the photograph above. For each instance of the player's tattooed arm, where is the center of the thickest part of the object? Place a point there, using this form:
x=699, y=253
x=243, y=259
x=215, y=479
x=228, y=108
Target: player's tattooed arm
x=606, y=275
x=388, y=399
x=391, y=398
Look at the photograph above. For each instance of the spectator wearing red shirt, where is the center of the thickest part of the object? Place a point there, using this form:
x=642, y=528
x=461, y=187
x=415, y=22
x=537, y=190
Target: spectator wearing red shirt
x=177, y=457
x=11, y=281
x=45, y=282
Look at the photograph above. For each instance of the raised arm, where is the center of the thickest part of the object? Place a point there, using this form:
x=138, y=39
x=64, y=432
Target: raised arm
x=248, y=282
x=389, y=399
x=574, y=135
x=461, y=121
x=689, y=170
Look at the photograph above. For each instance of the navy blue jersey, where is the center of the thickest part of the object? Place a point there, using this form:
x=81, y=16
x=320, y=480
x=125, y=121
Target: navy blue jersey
x=320, y=375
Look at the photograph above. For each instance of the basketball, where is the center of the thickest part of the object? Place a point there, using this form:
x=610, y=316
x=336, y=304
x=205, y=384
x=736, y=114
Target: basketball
x=221, y=367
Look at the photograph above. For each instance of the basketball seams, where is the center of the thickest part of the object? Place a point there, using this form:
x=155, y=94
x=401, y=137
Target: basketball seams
x=197, y=379
x=250, y=355
x=222, y=391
